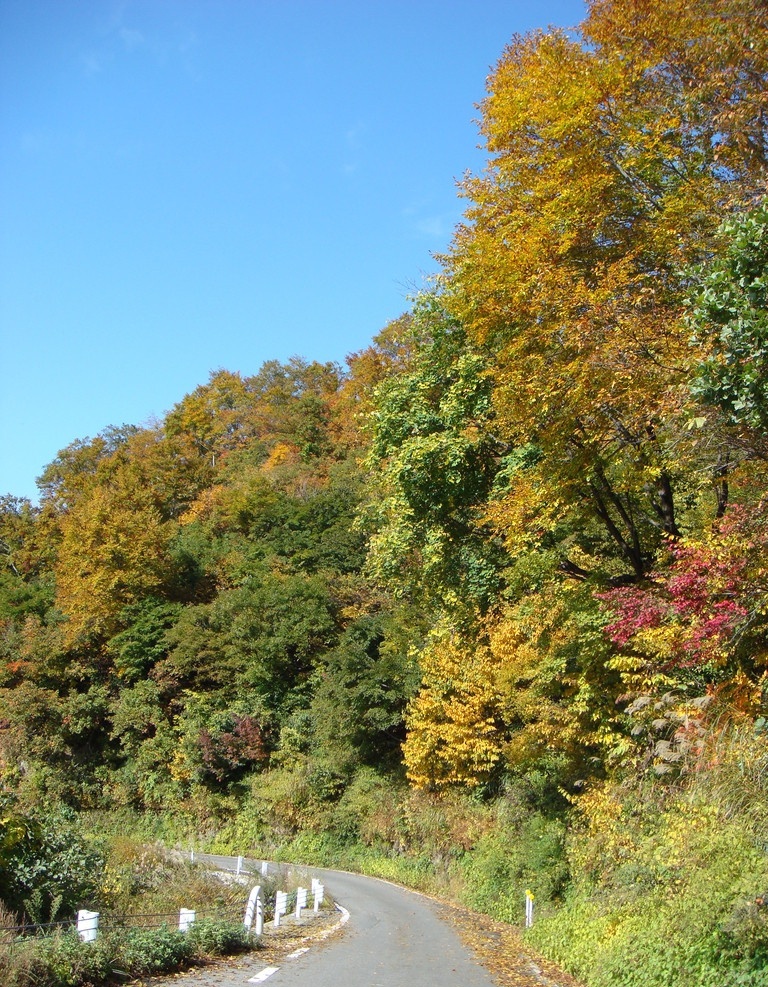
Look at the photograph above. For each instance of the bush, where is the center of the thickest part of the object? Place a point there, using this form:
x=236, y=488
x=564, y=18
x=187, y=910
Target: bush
x=211, y=938
x=144, y=951
x=59, y=960
x=63, y=960
x=666, y=880
x=48, y=869
x=658, y=942
x=508, y=862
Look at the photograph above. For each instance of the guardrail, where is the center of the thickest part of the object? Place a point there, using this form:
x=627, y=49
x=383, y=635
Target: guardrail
x=258, y=910
x=88, y=922
x=108, y=922
x=235, y=865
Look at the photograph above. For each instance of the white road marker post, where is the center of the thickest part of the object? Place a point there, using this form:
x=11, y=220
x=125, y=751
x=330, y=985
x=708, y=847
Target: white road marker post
x=528, y=909
x=318, y=891
x=186, y=919
x=254, y=911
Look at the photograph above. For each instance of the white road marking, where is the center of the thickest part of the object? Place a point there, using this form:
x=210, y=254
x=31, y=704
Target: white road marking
x=297, y=952
x=265, y=974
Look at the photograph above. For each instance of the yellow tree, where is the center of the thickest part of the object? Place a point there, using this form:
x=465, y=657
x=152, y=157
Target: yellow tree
x=612, y=158
x=212, y=416
x=557, y=684
x=453, y=722
x=113, y=552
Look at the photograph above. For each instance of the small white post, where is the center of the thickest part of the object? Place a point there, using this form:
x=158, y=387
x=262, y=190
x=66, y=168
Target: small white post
x=528, y=909
x=301, y=900
x=192, y=855
x=186, y=919
x=317, y=891
x=239, y=866
x=264, y=868
x=254, y=910
x=87, y=925
x=281, y=906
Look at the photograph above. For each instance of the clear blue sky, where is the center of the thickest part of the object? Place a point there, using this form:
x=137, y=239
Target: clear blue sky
x=194, y=184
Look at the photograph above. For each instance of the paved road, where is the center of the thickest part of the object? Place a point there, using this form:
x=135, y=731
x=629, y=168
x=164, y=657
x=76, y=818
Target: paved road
x=393, y=938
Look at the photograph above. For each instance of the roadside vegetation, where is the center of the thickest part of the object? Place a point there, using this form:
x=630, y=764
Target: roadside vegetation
x=484, y=610
x=137, y=889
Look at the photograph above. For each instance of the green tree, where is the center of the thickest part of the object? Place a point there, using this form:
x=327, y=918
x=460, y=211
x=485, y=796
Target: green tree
x=434, y=456
x=142, y=642
x=47, y=869
x=360, y=696
x=729, y=317
x=264, y=637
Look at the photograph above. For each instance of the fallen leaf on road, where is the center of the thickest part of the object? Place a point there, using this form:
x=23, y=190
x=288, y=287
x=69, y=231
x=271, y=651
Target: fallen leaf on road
x=500, y=949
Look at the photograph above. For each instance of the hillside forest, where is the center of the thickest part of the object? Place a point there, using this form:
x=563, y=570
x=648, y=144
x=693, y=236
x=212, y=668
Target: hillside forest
x=488, y=604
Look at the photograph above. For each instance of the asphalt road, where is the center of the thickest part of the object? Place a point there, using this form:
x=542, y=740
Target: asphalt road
x=392, y=938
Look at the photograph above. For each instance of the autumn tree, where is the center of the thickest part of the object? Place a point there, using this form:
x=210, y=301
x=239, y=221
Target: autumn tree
x=290, y=406
x=700, y=621
x=211, y=416
x=455, y=723
x=75, y=467
x=114, y=550
x=612, y=156
x=25, y=582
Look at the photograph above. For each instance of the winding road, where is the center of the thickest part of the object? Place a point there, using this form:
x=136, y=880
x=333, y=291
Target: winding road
x=391, y=937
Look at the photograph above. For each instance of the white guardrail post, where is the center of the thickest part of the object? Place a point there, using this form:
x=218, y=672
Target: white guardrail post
x=301, y=900
x=254, y=911
x=528, y=909
x=186, y=918
x=317, y=892
x=87, y=925
x=281, y=906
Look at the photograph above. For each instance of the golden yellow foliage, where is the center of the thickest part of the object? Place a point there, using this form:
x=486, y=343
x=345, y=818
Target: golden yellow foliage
x=453, y=721
x=557, y=690
x=113, y=552
x=612, y=159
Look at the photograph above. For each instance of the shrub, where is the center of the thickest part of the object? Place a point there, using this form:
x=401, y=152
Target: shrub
x=63, y=960
x=145, y=951
x=666, y=880
x=49, y=869
x=58, y=960
x=211, y=938
x=508, y=862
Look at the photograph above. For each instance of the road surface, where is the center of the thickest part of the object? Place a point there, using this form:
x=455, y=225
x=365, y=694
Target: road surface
x=392, y=938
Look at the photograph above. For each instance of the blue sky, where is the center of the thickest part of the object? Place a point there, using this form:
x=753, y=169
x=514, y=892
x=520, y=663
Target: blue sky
x=194, y=184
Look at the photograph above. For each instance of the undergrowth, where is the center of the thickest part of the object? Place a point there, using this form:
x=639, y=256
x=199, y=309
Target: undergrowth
x=63, y=960
x=669, y=881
